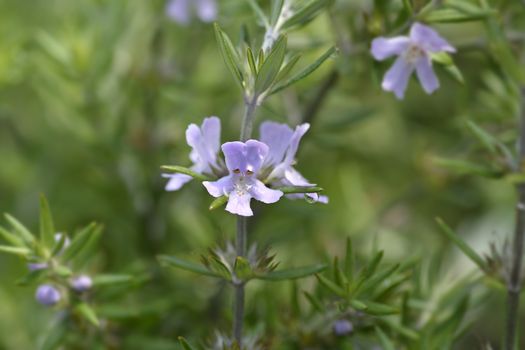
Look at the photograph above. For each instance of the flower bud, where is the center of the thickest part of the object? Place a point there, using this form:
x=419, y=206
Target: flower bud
x=37, y=266
x=81, y=283
x=342, y=327
x=47, y=294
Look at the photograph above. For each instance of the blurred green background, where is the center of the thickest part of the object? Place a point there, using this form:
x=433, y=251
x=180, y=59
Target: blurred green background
x=95, y=95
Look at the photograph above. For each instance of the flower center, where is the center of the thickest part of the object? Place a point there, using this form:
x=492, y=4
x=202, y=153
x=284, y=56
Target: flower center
x=242, y=185
x=413, y=53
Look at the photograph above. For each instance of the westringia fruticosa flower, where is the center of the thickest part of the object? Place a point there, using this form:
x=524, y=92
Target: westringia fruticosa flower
x=250, y=166
x=47, y=294
x=243, y=160
x=414, y=53
x=181, y=11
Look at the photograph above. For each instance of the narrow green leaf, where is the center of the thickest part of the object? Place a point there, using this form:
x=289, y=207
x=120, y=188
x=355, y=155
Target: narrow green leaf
x=300, y=189
x=111, y=279
x=386, y=343
x=465, y=248
x=218, y=202
x=379, y=309
x=372, y=284
x=185, y=171
x=259, y=12
x=47, y=228
x=305, y=14
x=305, y=72
x=11, y=238
x=229, y=54
x=185, y=344
x=58, y=245
x=358, y=305
x=316, y=303
x=88, y=313
x=80, y=241
x=287, y=68
x=463, y=167
x=294, y=273
x=15, y=250
x=20, y=229
x=331, y=286
x=251, y=61
x=271, y=66
x=487, y=140
x=174, y=262
x=276, y=9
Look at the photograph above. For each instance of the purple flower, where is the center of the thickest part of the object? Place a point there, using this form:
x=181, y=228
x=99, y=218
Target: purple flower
x=243, y=160
x=47, y=294
x=181, y=11
x=81, y=283
x=413, y=54
x=205, y=143
x=342, y=327
x=283, y=143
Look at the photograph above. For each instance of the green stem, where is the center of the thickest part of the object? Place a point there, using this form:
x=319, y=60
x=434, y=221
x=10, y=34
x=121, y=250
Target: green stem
x=514, y=282
x=242, y=230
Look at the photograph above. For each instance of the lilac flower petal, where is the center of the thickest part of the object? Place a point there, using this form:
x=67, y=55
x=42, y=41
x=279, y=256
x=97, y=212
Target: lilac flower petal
x=382, y=48
x=299, y=132
x=211, y=133
x=206, y=10
x=428, y=39
x=239, y=204
x=179, y=11
x=221, y=187
x=294, y=178
x=204, y=142
x=426, y=75
x=234, y=155
x=176, y=181
x=244, y=156
x=264, y=194
x=396, y=79
x=277, y=136
x=256, y=151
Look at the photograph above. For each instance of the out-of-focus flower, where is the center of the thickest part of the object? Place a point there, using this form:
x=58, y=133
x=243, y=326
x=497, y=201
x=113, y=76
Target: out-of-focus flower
x=243, y=160
x=47, y=294
x=205, y=142
x=342, y=327
x=181, y=11
x=283, y=143
x=81, y=283
x=413, y=54
x=37, y=266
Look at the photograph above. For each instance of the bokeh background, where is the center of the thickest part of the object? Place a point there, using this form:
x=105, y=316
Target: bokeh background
x=95, y=95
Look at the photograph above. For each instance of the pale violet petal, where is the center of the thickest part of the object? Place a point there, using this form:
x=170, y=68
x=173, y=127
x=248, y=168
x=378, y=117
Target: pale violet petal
x=211, y=132
x=221, y=187
x=256, y=151
x=299, y=132
x=295, y=178
x=234, y=155
x=426, y=75
x=204, y=142
x=179, y=11
x=206, y=10
x=396, y=79
x=244, y=157
x=176, y=181
x=382, y=48
x=277, y=136
x=428, y=39
x=239, y=204
x=264, y=194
